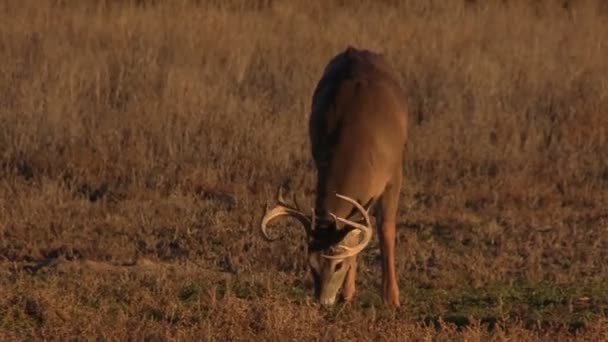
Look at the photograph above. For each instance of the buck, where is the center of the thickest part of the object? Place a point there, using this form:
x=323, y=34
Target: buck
x=357, y=132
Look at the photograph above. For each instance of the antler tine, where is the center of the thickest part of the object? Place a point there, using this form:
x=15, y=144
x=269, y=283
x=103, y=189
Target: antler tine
x=365, y=229
x=294, y=199
x=283, y=202
x=280, y=197
x=368, y=222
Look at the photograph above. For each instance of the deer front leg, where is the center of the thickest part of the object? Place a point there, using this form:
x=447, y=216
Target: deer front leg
x=348, y=288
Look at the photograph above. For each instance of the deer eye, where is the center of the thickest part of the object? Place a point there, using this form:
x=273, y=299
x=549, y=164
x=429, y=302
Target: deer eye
x=339, y=266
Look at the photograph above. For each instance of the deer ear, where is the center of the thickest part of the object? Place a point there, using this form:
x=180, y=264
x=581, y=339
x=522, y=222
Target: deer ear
x=349, y=236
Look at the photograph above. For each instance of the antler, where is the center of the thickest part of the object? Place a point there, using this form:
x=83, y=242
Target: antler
x=365, y=229
x=284, y=209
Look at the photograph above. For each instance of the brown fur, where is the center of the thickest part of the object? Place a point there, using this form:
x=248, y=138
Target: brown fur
x=358, y=131
x=358, y=121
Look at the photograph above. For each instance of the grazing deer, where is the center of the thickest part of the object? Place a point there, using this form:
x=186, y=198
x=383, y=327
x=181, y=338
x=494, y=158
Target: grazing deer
x=357, y=131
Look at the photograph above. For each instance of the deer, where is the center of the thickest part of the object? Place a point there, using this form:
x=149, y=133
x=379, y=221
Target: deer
x=357, y=131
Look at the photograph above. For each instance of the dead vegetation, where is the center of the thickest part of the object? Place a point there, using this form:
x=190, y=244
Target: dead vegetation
x=140, y=140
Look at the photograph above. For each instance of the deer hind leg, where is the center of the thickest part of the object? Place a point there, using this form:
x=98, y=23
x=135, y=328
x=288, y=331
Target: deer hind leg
x=386, y=216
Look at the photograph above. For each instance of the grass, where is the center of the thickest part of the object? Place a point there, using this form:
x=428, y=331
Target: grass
x=140, y=141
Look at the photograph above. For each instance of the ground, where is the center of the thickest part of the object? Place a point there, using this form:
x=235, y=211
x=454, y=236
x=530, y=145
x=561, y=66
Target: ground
x=141, y=140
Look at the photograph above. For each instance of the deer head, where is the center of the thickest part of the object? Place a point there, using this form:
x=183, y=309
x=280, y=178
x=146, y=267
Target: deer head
x=332, y=242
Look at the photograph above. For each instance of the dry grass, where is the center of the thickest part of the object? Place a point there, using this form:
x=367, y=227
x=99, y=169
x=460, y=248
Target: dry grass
x=140, y=140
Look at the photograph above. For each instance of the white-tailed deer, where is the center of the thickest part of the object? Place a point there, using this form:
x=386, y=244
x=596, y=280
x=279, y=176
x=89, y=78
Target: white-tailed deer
x=357, y=131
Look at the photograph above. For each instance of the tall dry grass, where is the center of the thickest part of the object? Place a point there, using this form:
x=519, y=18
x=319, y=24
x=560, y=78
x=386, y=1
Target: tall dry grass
x=159, y=129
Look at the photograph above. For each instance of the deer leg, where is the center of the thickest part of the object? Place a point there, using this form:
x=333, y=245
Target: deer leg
x=386, y=217
x=348, y=288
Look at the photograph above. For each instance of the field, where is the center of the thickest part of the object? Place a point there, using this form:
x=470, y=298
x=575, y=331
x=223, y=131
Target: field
x=140, y=141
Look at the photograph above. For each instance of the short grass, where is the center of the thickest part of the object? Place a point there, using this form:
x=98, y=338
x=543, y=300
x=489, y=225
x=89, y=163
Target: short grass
x=140, y=141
